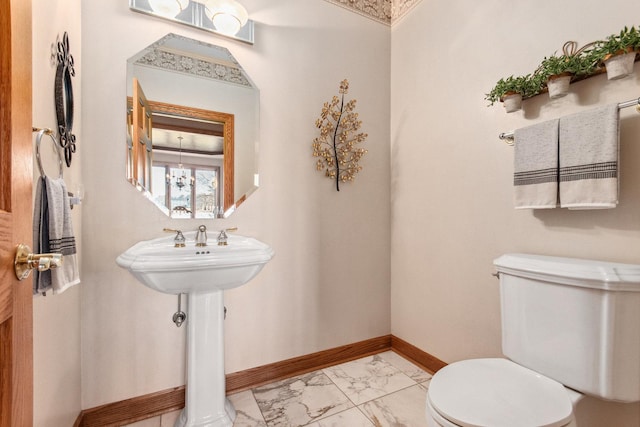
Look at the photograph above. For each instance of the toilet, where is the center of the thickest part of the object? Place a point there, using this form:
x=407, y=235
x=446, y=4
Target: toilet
x=571, y=335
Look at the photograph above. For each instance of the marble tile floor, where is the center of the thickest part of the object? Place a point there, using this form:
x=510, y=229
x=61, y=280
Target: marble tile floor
x=384, y=390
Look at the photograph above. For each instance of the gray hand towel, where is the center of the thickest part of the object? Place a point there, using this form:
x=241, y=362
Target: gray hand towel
x=535, y=166
x=41, y=279
x=61, y=239
x=589, y=158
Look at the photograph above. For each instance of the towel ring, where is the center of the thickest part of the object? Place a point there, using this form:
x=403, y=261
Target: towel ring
x=41, y=133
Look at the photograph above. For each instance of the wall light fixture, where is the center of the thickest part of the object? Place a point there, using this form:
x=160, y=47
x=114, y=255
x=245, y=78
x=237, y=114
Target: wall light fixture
x=224, y=17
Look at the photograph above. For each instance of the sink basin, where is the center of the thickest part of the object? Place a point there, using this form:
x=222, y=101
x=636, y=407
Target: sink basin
x=203, y=273
x=159, y=265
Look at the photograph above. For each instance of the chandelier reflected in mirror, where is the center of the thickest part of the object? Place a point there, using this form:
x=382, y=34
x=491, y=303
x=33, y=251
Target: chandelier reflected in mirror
x=225, y=17
x=180, y=180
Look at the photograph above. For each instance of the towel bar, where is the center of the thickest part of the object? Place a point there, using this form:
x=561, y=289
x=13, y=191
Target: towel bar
x=41, y=133
x=508, y=136
x=73, y=200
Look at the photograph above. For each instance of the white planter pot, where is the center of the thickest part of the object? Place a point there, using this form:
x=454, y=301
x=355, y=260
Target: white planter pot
x=512, y=102
x=558, y=86
x=619, y=66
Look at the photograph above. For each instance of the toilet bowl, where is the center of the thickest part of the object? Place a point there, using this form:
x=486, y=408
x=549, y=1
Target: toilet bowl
x=571, y=333
x=497, y=393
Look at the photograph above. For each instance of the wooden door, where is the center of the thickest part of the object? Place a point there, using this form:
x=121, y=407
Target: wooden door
x=16, y=176
x=142, y=127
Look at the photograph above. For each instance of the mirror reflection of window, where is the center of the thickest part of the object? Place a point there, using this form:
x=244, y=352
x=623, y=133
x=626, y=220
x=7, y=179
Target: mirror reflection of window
x=188, y=191
x=207, y=195
x=159, y=183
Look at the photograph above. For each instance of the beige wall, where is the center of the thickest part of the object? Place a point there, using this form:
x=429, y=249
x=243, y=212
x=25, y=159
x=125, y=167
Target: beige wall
x=451, y=192
x=444, y=174
x=56, y=318
x=329, y=282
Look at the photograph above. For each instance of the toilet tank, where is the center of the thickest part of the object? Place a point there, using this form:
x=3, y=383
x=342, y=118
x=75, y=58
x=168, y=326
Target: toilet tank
x=576, y=321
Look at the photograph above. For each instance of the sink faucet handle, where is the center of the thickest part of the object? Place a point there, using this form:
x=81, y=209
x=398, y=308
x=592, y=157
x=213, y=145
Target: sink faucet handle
x=201, y=236
x=222, y=237
x=179, y=240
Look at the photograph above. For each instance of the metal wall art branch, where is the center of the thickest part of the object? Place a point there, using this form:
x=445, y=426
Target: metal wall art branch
x=336, y=145
x=63, y=92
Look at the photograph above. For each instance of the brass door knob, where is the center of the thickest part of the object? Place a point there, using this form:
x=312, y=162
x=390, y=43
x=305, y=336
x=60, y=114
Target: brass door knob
x=26, y=261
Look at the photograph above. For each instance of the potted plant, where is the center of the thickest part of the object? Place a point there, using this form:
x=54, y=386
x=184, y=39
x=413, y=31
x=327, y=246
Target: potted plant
x=559, y=71
x=618, y=52
x=511, y=90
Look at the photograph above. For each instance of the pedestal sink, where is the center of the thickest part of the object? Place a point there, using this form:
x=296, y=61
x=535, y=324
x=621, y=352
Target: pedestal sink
x=203, y=273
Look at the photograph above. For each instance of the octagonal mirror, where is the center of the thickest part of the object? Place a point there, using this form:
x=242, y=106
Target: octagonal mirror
x=192, y=128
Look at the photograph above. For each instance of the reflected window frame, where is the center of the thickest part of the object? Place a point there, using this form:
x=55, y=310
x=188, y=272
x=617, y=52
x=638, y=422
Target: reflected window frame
x=165, y=174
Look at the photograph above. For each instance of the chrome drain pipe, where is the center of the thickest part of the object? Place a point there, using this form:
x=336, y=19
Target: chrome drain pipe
x=179, y=316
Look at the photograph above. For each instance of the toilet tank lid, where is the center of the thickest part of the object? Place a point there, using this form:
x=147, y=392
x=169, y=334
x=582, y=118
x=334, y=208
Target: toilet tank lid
x=572, y=271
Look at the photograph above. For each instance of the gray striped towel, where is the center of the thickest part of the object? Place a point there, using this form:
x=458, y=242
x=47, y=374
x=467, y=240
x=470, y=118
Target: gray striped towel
x=589, y=144
x=61, y=239
x=535, y=166
x=41, y=279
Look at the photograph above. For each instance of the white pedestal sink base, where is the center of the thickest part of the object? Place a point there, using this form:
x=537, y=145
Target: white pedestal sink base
x=203, y=275
x=206, y=404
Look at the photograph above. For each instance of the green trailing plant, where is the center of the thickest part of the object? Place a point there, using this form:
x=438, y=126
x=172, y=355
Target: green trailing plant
x=556, y=65
x=581, y=63
x=590, y=61
x=524, y=85
x=627, y=40
x=537, y=81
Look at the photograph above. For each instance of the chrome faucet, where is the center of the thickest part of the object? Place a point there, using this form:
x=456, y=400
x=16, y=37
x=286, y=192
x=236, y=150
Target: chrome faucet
x=222, y=237
x=201, y=236
x=179, y=240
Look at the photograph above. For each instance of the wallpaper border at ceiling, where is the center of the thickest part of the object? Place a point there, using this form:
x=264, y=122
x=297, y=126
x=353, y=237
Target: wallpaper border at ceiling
x=401, y=8
x=385, y=11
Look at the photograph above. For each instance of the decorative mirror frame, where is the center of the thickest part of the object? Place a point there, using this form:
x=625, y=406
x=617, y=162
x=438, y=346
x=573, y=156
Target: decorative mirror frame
x=63, y=92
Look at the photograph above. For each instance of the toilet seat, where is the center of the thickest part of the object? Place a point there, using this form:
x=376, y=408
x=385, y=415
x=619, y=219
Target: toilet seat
x=496, y=393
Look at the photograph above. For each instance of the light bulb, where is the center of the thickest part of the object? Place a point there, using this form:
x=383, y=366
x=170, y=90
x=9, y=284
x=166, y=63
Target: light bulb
x=169, y=8
x=226, y=23
x=228, y=16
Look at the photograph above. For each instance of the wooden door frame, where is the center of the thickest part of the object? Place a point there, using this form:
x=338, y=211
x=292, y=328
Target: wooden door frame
x=16, y=178
x=141, y=134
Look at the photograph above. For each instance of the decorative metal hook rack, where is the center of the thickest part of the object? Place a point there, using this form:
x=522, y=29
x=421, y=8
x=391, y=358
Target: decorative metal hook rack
x=508, y=136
